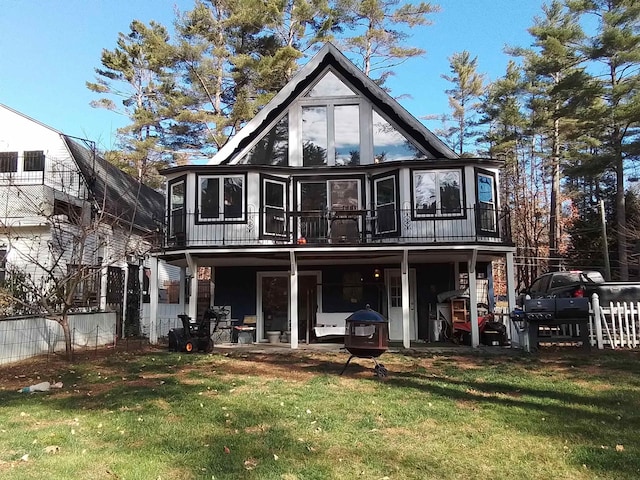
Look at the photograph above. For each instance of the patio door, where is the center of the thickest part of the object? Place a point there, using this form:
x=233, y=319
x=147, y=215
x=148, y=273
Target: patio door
x=319, y=200
x=273, y=302
x=393, y=283
x=309, y=300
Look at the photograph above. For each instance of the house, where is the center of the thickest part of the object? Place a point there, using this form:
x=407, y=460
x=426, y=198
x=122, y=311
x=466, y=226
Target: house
x=55, y=188
x=332, y=198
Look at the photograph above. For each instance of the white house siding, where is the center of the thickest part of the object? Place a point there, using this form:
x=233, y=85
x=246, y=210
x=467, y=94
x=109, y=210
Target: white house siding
x=28, y=250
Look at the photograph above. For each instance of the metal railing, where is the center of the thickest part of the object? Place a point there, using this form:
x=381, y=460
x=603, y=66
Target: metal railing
x=342, y=227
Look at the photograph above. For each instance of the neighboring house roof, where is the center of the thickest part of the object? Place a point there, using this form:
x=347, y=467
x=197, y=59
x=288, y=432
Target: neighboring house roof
x=121, y=195
x=329, y=55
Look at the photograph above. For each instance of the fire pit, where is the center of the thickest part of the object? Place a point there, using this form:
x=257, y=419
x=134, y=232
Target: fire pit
x=367, y=336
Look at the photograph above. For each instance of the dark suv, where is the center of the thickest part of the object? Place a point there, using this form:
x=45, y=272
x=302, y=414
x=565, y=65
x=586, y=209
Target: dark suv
x=563, y=284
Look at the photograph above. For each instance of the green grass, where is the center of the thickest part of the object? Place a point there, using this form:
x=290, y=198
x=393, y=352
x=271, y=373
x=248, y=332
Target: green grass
x=160, y=415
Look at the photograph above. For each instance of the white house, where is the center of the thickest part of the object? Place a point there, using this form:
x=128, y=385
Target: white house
x=51, y=187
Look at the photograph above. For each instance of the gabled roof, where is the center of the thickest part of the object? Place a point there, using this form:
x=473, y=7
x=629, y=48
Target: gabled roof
x=121, y=195
x=329, y=55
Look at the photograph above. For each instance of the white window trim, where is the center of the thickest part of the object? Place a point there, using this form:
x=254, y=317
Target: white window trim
x=394, y=202
x=221, y=218
x=438, y=213
x=492, y=204
x=283, y=183
x=172, y=227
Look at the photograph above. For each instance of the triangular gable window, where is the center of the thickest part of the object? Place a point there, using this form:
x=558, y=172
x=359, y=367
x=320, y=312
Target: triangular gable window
x=330, y=86
x=389, y=144
x=273, y=148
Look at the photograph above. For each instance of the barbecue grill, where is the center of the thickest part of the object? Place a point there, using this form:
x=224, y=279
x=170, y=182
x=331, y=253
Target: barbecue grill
x=554, y=312
x=367, y=336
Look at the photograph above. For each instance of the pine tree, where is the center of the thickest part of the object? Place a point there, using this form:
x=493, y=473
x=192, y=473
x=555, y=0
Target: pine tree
x=379, y=39
x=559, y=84
x=616, y=48
x=463, y=97
x=508, y=136
x=137, y=72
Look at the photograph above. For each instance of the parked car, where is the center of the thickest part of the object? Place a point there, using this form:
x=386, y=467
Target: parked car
x=580, y=283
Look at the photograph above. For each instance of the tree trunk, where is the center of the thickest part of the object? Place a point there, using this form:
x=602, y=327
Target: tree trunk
x=64, y=323
x=621, y=227
x=554, y=220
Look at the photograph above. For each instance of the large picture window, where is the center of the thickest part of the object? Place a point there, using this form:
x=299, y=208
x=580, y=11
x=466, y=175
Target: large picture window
x=221, y=198
x=437, y=193
x=486, y=214
x=273, y=148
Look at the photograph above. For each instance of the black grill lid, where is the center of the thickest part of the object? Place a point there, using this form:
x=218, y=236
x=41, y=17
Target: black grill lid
x=366, y=315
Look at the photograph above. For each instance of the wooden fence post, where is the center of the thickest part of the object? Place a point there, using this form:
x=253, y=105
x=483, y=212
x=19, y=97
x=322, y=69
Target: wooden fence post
x=595, y=305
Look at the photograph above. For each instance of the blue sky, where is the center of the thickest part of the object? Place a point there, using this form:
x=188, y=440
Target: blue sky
x=50, y=48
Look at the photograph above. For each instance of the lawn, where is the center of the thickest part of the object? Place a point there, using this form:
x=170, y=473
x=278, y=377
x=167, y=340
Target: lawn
x=152, y=414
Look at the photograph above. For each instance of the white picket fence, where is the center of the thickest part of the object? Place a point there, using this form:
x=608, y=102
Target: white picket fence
x=616, y=325
x=613, y=325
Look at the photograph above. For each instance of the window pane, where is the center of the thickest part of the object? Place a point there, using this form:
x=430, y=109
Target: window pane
x=314, y=136
x=344, y=194
x=274, y=207
x=385, y=205
x=485, y=189
x=450, y=198
x=330, y=86
x=347, y=134
x=313, y=196
x=34, y=161
x=425, y=192
x=389, y=144
x=8, y=161
x=385, y=191
x=486, y=205
x=177, y=195
x=209, y=198
x=233, y=197
x=176, y=199
x=274, y=194
x=273, y=148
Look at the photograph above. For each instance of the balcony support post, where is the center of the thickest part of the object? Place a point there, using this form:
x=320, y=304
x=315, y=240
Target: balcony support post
x=293, y=299
x=473, y=298
x=193, y=290
x=153, y=300
x=406, y=298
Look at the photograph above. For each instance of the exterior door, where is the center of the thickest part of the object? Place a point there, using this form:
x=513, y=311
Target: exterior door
x=393, y=283
x=308, y=300
x=273, y=302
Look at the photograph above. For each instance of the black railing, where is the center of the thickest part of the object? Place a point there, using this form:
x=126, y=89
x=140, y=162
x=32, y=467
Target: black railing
x=342, y=227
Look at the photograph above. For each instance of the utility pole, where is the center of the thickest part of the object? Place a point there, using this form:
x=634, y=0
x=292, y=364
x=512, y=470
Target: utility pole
x=605, y=246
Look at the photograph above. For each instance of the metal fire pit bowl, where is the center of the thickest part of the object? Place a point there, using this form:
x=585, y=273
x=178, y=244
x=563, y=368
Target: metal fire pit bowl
x=367, y=336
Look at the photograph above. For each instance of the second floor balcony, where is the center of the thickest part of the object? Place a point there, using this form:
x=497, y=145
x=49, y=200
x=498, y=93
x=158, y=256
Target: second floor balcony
x=306, y=229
